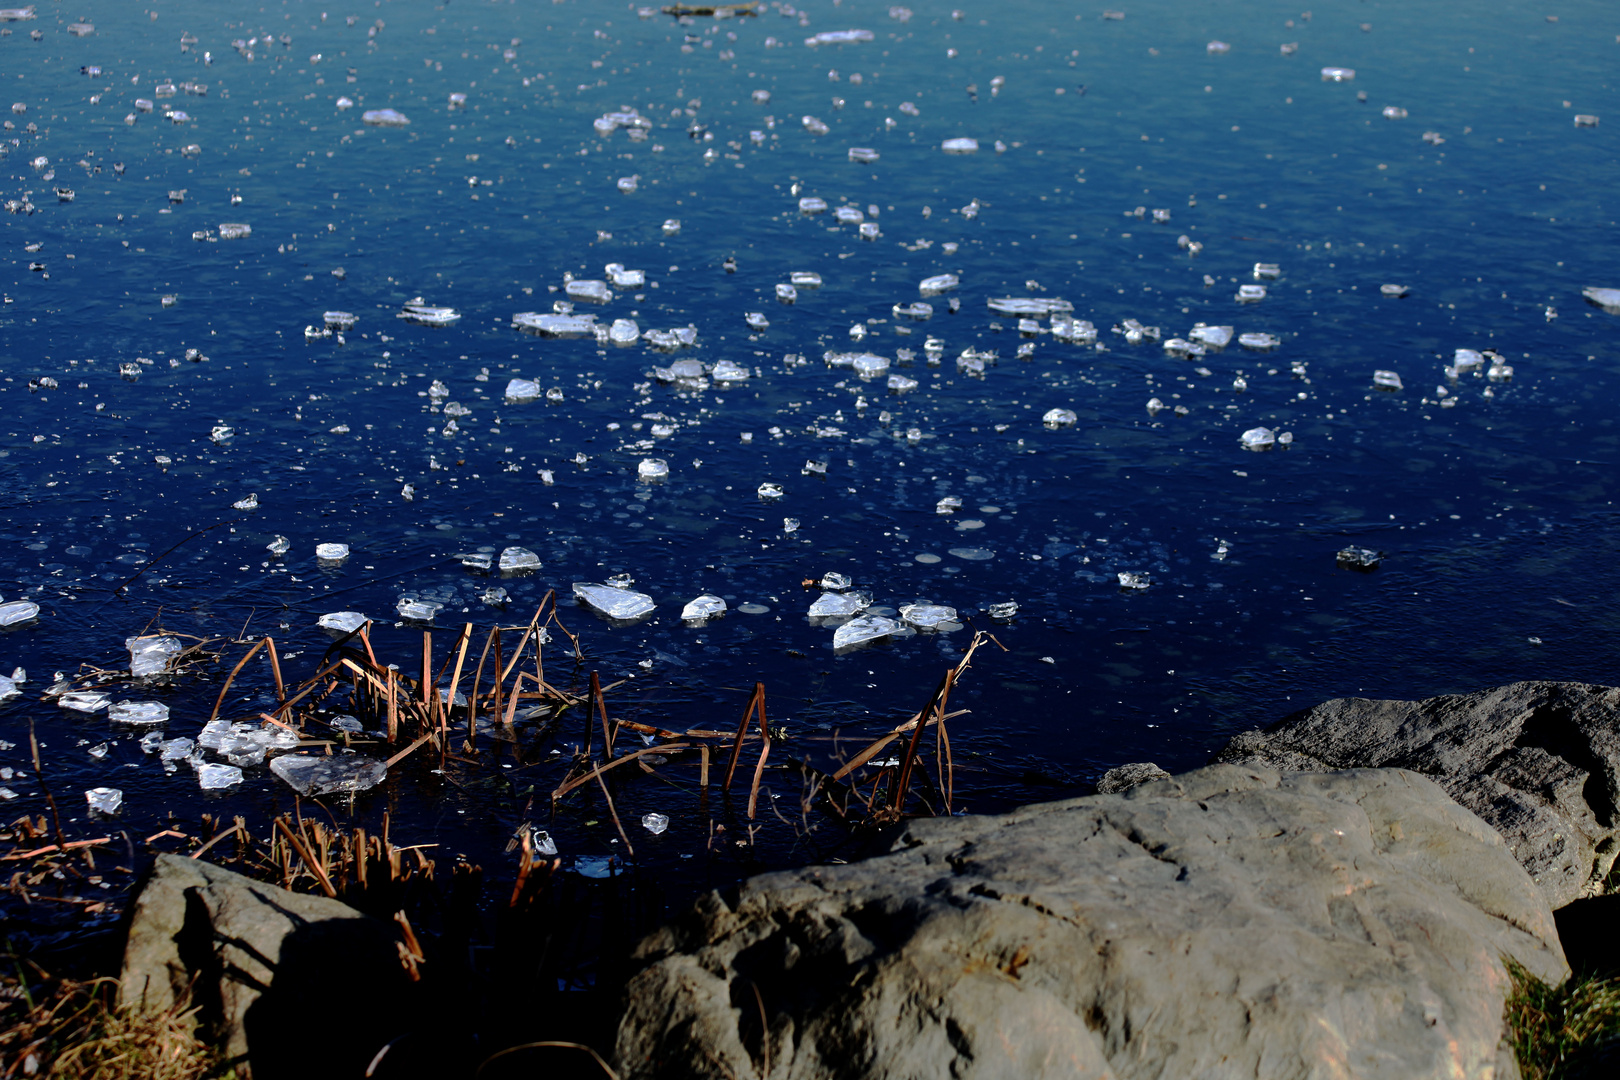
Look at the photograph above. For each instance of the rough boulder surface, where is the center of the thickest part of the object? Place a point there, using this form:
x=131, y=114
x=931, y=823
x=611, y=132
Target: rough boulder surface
x=260, y=962
x=1230, y=922
x=1538, y=761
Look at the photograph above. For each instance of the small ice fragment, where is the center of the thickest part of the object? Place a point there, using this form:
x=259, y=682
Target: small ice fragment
x=1056, y=418
x=839, y=37
x=415, y=609
x=17, y=612
x=810, y=204
x=331, y=552
x=279, y=546
x=1002, y=611
x=927, y=616
x=214, y=734
x=655, y=823
x=1394, y=112
x=1030, y=305
x=593, y=866
x=234, y=230
x=175, y=749
x=790, y=525
x=518, y=559
x=833, y=604
x=347, y=723
x=787, y=294
x=8, y=688
x=1267, y=271
x=707, y=606
x=1132, y=579
x=1217, y=47
x=1359, y=558
x=1585, y=120
x=862, y=154
x=340, y=320
x=1394, y=290
x=1386, y=380
x=816, y=126
x=1248, y=294
x=521, y=390
x=864, y=629
x=624, y=332
x=939, y=283
x=415, y=311
x=729, y=371
x=213, y=777
x=1260, y=438
x=836, y=582
x=756, y=320
x=384, y=118
x=549, y=324
x=805, y=279
x=625, y=279
x=1258, y=340
x=104, y=800
x=1216, y=337
x=948, y=505
x=918, y=310
x=902, y=383
x=615, y=603
x=1338, y=74
x=652, y=469
x=869, y=365
x=960, y=146
x=494, y=596
x=672, y=226
x=310, y=774
x=150, y=655
x=1468, y=360
x=249, y=503
x=771, y=490
x=138, y=712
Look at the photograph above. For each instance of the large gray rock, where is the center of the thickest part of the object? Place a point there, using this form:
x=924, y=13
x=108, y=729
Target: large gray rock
x=263, y=963
x=1538, y=761
x=1230, y=922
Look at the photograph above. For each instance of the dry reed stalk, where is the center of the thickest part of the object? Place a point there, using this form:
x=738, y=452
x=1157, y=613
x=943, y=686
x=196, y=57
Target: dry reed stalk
x=450, y=699
x=393, y=706
x=495, y=706
x=756, y=703
x=240, y=664
x=936, y=705
x=617, y=824
x=275, y=668
x=601, y=711
x=309, y=859
x=586, y=777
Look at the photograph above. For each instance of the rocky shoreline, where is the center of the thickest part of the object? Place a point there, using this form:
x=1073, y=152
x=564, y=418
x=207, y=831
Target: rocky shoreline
x=1336, y=895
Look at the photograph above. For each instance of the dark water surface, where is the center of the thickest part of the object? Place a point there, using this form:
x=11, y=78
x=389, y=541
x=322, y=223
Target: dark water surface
x=1490, y=498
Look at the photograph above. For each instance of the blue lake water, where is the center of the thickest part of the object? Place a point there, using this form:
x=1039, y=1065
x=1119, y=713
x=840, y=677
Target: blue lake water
x=1489, y=495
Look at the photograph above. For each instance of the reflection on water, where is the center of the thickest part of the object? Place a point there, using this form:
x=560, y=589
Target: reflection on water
x=321, y=313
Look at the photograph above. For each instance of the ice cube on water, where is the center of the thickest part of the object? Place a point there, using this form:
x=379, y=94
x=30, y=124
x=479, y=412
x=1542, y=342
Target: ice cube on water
x=960, y=146
x=939, y=283
x=652, y=469
x=1056, y=418
x=515, y=560
x=212, y=776
x=104, y=800
x=1260, y=438
x=861, y=630
x=927, y=616
x=415, y=609
x=1386, y=380
x=138, y=712
x=1132, y=579
x=87, y=701
x=342, y=622
x=332, y=552
x=17, y=612
x=615, y=603
x=707, y=606
x=655, y=823
x=310, y=774
x=832, y=604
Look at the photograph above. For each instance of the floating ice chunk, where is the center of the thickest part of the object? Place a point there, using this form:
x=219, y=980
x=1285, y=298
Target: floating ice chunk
x=331, y=552
x=104, y=800
x=864, y=629
x=415, y=311
x=927, y=616
x=669, y=340
x=8, y=688
x=1216, y=337
x=917, y=310
x=1607, y=299
x=811, y=204
x=249, y=503
x=1030, y=305
x=1386, y=380
x=624, y=332
x=1248, y=294
x=1056, y=418
x=1468, y=360
x=805, y=279
x=771, y=490
x=1132, y=579
x=17, y=612
x=1394, y=112
x=150, y=654
x=172, y=749
x=521, y=390
x=416, y=609
x=960, y=146
x=591, y=290
x=553, y=325
x=1217, y=47
x=477, y=561
x=707, y=606
x=652, y=469
x=1267, y=271
x=1359, y=558
x=384, y=117
x=939, y=283
x=787, y=294
x=1394, y=290
x=1338, y=74
x=839, y=37
x=948, y=505
x=234, y=230
x=279, y=546
x=340, y=320
x=1258, y=340
x=672, y=226
x=341, y=622
x=816, y=126
x=615, y=603
x=1002, y=611
x=344, y=103
x=833, y=604
x=833, y=581
x=593, y=866
x=862, y=154
x=1585, y=120
x=729, y=371
x=516, y=560
x=213, y=734
x=214, y=777
x=1500, y=372
x=625, y=279
x=311, y=774
x=655, y=823
x=756, y=320
x=870, y=366
x=138, y=712
x=1260, y=438
x=902, y=383
x=628, y=184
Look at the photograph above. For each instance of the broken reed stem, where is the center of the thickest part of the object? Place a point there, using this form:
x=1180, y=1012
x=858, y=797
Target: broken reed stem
x=703, y=770
x=309, y=860
x=393, y=706
x=755, y=701
x=947, y=766
x=240, y=664
x=50, y=800
x=601, y=711
x=275, y=668
x=450, y=698
x=427, y=670
x=532, y=630
x=614, y=811
x=478, y=677
x=936, y=705
x=495, y=708
x=584, y=778
x=764, y=750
